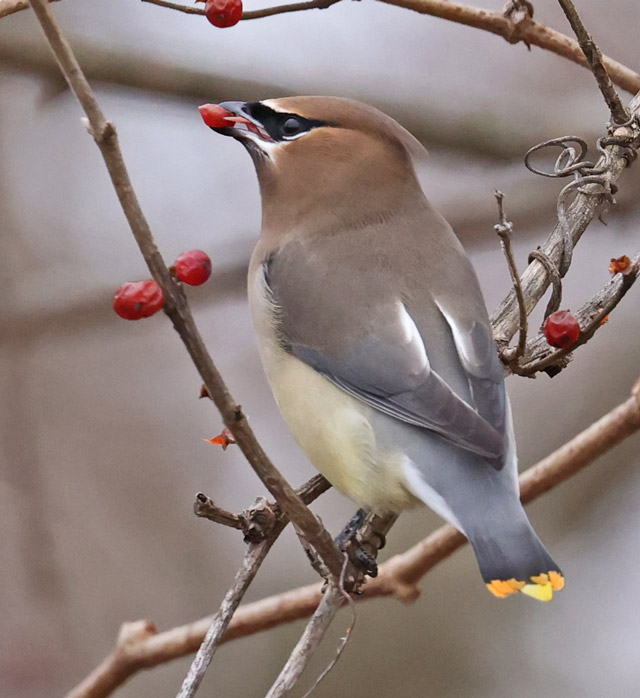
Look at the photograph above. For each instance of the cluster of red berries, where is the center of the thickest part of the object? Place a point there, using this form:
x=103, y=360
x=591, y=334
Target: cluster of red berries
x=223, y=13
x=137, y=299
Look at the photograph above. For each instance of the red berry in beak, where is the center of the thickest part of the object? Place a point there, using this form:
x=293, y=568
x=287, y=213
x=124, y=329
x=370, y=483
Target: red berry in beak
x=215, y=116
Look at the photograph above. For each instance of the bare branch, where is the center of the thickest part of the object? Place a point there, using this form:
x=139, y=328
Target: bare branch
x=504, y=229
x=591, y=316
x=398, y=576
x=253, y=558
x=255, y=555
x=176, y=305
x=187, y=9
x=594, y=58
x=530, y=32
x=589, y=192
x=253, y=14
x=332, y=600
x=8, y=7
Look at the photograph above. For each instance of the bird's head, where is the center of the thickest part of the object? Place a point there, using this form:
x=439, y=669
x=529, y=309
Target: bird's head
x=326, y=161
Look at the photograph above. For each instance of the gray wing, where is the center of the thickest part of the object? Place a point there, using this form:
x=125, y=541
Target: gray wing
x=368, y=344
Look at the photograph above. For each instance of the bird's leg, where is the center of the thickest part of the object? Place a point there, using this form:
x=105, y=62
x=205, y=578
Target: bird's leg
x=348, y=541
x=350, y=530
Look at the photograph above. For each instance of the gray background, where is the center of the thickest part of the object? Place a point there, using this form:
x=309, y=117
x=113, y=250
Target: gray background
x=101, y=429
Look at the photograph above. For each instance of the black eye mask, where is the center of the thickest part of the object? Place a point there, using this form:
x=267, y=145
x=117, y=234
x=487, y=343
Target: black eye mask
x=281, y=126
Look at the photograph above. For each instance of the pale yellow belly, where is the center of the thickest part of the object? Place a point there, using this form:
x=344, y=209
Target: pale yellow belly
x=333, y=429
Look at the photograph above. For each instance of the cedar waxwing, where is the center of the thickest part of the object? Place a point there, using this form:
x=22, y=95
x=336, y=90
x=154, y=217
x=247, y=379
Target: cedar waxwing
x=373, y=331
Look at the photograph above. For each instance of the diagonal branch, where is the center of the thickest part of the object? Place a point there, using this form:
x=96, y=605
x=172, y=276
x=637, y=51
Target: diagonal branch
x=595, y=60
x=530, y=32
x=176, y=305
x=398, y=576
x=8, y=7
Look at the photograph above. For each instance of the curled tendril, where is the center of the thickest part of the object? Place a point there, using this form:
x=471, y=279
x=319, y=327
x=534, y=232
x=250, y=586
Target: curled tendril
x=571, y=162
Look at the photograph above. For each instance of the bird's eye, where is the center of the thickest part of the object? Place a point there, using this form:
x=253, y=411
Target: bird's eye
x=290, y=127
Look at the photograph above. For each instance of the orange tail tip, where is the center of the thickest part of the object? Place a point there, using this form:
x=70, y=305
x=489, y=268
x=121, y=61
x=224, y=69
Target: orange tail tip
x=542, y=588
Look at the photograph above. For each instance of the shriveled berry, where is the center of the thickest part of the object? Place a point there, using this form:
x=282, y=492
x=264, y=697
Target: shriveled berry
x=561, y=329
x=193, y=267
x=215, y=116
x=621, y=265
x=138, y=299
x=223, y=13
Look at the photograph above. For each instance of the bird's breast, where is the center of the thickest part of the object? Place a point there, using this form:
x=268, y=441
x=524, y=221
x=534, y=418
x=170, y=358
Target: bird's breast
x=331, y=426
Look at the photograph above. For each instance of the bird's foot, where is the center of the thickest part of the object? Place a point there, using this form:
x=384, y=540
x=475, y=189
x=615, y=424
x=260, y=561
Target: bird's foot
x=362, y=558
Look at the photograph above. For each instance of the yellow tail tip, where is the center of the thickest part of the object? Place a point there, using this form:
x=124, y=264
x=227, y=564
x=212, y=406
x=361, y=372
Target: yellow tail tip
x=541, y=589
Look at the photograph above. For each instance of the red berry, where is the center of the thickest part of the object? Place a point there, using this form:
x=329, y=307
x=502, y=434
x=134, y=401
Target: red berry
x=193, y=267
x=215, y=116
x=223, y=13
x=138, y=299
x=561, y=329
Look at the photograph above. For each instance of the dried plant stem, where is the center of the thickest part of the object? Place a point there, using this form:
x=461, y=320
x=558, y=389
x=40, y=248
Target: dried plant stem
x=315, y=630
x=505, y=229
x=595, y=61
x=398, y=576
x=176, y=305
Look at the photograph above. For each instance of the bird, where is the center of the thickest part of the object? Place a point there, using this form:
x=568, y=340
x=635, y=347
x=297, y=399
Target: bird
x=373, y=331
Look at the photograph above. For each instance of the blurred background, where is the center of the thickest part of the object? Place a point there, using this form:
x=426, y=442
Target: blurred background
x=101, y=426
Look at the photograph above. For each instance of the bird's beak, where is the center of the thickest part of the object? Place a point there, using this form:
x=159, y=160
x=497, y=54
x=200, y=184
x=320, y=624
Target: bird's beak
x=233, y=119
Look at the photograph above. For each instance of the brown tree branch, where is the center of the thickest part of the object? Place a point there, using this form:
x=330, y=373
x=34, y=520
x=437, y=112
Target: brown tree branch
x=176, y=305
x=591, y=316
x=332, y=599
x=8, y=7
x=253, y=559
x=589, y=193
x=252, y=14
x=505, y=229
x=595, y=60
x=398, y=576
x=530, y=32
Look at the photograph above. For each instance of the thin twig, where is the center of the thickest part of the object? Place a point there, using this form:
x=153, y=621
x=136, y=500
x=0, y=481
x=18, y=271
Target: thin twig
x=334, y=597
x=187, y=9
x=398, y=576
x=205, y=508
x=8, y=7
x=176, y=305
x=595, y=60
x=253, y=14
x=255, y=555
x=504, y=229
x=530, y=32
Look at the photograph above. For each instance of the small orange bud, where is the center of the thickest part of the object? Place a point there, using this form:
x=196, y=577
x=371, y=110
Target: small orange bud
x=620, y=265
x=224, y=439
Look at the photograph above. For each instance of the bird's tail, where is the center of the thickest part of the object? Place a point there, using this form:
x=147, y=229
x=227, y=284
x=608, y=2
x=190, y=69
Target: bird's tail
x=514, y=559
